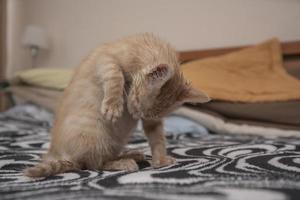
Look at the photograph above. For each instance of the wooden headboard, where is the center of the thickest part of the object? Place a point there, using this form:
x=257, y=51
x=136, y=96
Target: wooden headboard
x=291, y=54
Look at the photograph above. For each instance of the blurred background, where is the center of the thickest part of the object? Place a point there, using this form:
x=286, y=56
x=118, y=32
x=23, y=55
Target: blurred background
x=58, y=34
x=245, y=54
x=73, y=27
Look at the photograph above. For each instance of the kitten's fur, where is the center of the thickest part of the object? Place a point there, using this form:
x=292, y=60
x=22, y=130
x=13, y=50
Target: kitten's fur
x=134, y=78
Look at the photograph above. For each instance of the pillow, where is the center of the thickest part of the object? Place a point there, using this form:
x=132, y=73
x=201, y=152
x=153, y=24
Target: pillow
x=52, y=78
x=284, y=115
x=217, y=123
x=254, y=74
x=43, y=97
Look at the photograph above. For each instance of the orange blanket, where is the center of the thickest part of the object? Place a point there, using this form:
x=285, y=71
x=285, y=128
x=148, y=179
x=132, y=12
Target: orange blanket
x=254, y=74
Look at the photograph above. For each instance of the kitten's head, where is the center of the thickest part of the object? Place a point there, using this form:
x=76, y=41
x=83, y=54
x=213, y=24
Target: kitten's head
x=158, y=90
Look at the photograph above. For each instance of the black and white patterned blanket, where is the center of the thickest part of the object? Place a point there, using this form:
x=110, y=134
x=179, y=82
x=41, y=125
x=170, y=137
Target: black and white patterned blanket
x=208, y=166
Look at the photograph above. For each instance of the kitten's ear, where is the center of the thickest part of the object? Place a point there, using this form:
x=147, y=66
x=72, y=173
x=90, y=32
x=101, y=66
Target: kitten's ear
x=159, y=74
x=195, y=96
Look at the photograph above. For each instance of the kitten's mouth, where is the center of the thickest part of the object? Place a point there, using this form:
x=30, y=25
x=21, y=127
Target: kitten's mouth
x=151, y=116
x=140, y=115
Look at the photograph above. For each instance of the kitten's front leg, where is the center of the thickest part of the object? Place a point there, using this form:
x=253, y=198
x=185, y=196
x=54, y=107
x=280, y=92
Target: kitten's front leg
x=155, y=134
x=113, y=86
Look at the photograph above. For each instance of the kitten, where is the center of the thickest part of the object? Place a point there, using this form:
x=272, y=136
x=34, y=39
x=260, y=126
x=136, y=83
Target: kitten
x=119, y=83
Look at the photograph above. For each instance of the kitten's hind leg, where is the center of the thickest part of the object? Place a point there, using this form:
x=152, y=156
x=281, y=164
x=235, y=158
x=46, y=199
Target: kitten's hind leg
x=126, y=164
x=133, y=154
x=112, y=80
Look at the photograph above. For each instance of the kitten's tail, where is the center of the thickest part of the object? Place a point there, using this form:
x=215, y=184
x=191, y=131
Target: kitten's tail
x=49, y=168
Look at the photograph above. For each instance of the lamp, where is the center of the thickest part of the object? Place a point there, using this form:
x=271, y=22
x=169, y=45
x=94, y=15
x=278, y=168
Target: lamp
x=35, y=39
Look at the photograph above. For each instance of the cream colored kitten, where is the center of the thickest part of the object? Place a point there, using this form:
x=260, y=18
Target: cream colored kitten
x=119, y=83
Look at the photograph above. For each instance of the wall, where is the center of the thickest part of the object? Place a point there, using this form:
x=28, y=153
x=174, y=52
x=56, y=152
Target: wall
x=17, y=57
x=76, y=26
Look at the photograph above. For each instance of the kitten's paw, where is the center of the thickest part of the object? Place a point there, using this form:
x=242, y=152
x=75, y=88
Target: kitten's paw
x=133, y=154
x=163, y=161
x=125, y=164
x=112, y=110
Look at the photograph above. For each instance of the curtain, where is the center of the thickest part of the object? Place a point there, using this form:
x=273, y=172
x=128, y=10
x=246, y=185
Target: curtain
x=2, y=49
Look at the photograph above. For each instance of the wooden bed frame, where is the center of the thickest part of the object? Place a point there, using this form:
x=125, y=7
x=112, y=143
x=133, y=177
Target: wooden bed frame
x=291, y=55
x=290, y=50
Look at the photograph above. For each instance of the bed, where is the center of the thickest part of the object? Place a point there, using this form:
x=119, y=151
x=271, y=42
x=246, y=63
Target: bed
x=209, y=165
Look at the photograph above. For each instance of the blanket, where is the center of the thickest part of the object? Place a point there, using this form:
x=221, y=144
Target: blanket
x=209, y=166
x=254, y=74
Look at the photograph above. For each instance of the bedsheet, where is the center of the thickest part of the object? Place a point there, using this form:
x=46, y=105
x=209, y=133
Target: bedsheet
x=209, y=166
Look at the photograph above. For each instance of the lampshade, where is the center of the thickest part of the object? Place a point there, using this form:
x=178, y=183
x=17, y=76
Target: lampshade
x=35, y=37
